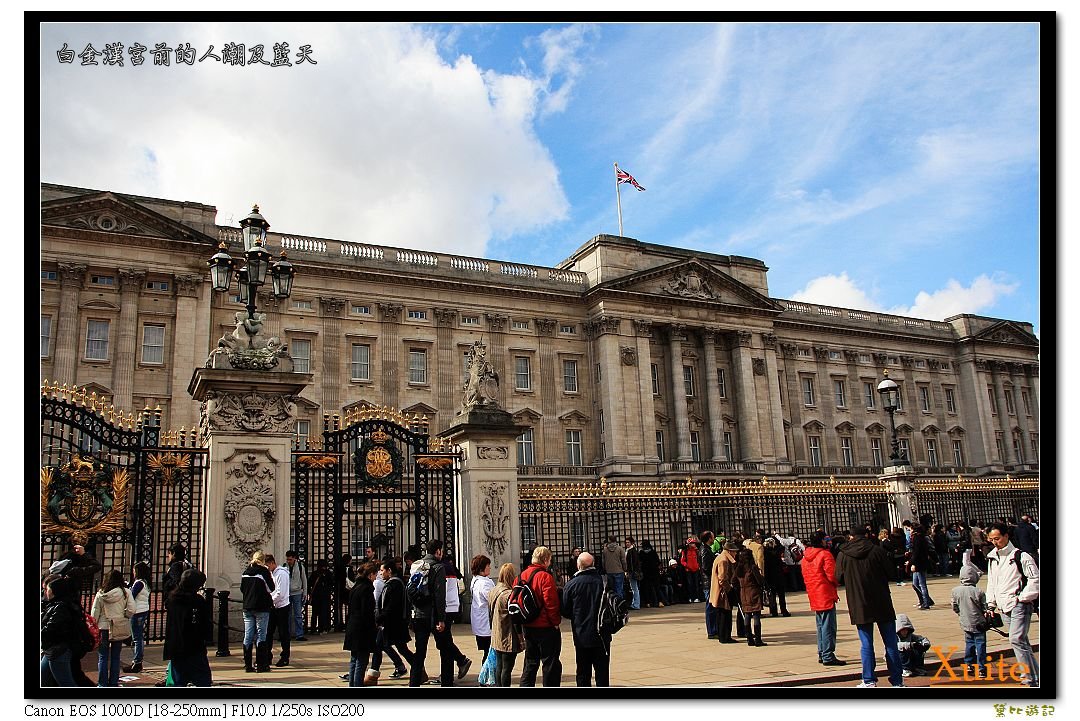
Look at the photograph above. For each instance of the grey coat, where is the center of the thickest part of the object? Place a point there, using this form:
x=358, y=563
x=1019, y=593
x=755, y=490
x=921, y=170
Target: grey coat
x=968, y=600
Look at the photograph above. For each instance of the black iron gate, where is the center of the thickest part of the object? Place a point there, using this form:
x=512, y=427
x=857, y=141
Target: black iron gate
x=378, y=480
x=110, y=484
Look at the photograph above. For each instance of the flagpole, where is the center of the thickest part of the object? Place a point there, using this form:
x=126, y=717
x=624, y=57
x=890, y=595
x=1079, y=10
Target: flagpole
x=618, y=198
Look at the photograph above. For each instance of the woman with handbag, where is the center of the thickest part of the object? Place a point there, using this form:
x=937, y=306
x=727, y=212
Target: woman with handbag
x=507, y=640
x=113, y=606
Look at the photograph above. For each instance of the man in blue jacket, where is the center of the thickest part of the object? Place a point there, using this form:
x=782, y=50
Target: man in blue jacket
x=581, y=604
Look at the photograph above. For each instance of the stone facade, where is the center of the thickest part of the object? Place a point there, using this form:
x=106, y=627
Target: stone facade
x=626, y=359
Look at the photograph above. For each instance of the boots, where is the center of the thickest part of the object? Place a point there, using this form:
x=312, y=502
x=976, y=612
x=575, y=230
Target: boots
x=371, y=678
x=248, y=667
x=262, y=657
x=725, y=626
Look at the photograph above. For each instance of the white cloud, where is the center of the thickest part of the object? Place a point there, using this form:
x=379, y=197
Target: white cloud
x=383, y=141
x=953, y=299
x=562, y=48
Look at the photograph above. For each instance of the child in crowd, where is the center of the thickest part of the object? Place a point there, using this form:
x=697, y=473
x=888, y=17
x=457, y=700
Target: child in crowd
x=969, y=602
x=912, y=646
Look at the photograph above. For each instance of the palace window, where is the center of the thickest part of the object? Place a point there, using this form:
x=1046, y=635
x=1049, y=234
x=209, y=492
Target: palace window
x=417, y=365
x=153, y=344
x=301, y=305
x=721, y=382
x=839, y=392
x=688, y=380
x=808, y=390
x=903, y=445
x=522, y=377
x=695, y=446
x=1010, y=407
x=931, y=452
x=46, y=335
x=869, y=393
x=875, y=451
x=729, y=447
x=48, y=275
x=417, y=315
x=660, y=445
x=1018, y=447
x=525, y=455
x=520, y=325
x=950, y=400
x=470, y=320
x=361, y=310
x=157, y=285
x=573, y=448
x=846, y=451
x=924, y=398
x=568, y=329
x=1027, y=402
x=361, y=362
x=993, y=399
x=1035, y=447
x=301, y=355
x=655, y=371
x=97, y=340
x=569, y=376
x=102, y=280
x=958, y=452
x=813, y=444
x=303, y=430
x=999, y=443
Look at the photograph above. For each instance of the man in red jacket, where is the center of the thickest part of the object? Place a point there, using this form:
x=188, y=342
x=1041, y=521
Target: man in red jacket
x=543, y=641
x=819, y=575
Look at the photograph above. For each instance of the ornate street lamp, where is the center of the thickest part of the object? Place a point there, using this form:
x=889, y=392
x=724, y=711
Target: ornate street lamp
x=890, y=401
x=259, y=262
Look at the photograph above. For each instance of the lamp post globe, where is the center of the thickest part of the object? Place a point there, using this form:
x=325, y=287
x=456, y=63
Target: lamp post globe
x=282, y=273
x=221, y=269
x=890, y=401
x=254, y=228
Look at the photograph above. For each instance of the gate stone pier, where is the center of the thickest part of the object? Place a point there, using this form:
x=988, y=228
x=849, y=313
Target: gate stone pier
x=247, y=422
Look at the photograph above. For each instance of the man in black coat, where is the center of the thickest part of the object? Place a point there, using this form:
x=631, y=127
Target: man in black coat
x=706, y=556
x=581, y=604
x=1026, y=537
x=866, y=572
x=429, y=619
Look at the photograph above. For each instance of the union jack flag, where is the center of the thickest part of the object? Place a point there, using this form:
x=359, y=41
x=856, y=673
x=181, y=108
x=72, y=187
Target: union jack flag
x=624, y=177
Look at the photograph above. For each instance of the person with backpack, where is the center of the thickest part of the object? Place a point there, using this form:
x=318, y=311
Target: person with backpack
x=1012, y=588
x=187, y=627
x=391, y=620
x=543, y=641
x=113, y=606
x=140, y=591
x=793, y=554
x=426, y=590
x=298, y=591
x=581, y=601
x=507, y=640
x=64, y=636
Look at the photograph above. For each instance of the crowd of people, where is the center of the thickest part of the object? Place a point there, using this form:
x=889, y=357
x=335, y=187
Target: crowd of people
x=388, y=603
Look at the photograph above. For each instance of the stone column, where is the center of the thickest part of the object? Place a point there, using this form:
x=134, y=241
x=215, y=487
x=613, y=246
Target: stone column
x=975, y=413
x=186, y=332
x=712, y=395
x=794, y=396
x=68, y=335
x=125, y=359
x=549, y=378
x=772, y=381
x=643, y=331
x=488, y=499
x=247, y=421
x=496, y=323
x=900, y=485
x=1016, y=375
x=330, y=339
x=449, y=386
x=389, y=319
x=997, y=368
x=1033, y=375
x=749, y=438
x=676, y=336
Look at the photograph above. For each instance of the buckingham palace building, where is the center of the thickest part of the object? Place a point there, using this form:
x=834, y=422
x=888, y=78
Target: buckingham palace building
x=626, y=365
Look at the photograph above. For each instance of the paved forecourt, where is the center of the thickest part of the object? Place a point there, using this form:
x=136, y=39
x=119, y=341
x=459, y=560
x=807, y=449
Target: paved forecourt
x=660, y=647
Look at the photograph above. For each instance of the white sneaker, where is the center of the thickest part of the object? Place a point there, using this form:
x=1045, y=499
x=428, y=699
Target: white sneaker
x=864, y=684
x=905, y=673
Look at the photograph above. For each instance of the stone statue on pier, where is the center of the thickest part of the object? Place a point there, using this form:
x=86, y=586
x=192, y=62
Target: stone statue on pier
x=482, y=388
x=247, y=349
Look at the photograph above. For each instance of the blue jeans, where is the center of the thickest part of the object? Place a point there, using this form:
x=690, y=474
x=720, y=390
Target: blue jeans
x=138, y=634
x=826, y=634
x=615, y=580
x=1018, y=622
x=712, y=626
x=296, y=601
x=255, y=625
x=636, y=590
x=56, y=671
x=357, y=666
x=887, y=631
x=943, y=563
x=918, y=582
x=108, y=660
x=975, y=648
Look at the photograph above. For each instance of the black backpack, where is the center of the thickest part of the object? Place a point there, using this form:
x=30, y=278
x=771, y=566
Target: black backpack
x=418, y=588
x=614, y=612
x=522, y=606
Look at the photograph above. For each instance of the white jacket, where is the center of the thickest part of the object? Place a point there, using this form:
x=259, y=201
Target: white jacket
x=114, y=607
x=280, y=594
x=481, y=622
x=142, y=601
x=1003, y=589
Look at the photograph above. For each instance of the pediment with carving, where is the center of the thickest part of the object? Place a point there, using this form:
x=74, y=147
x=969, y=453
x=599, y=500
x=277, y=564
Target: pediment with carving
x=1008, y=332
x=111, y=213
x=692, y=280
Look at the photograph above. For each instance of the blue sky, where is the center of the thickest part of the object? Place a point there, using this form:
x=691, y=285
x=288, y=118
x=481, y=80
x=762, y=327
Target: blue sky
x=884, y=167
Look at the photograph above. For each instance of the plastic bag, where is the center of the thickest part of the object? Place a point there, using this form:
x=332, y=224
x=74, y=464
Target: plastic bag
x=487, y=671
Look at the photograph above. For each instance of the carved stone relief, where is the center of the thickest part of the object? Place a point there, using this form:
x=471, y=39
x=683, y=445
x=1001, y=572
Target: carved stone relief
x=628, y=355
x=248, y=412
x=249, y=506
x=494, y=517
x=545, y=326
x=759, y=366
x=496, y=321
x=493, y=453
x=689, y=284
